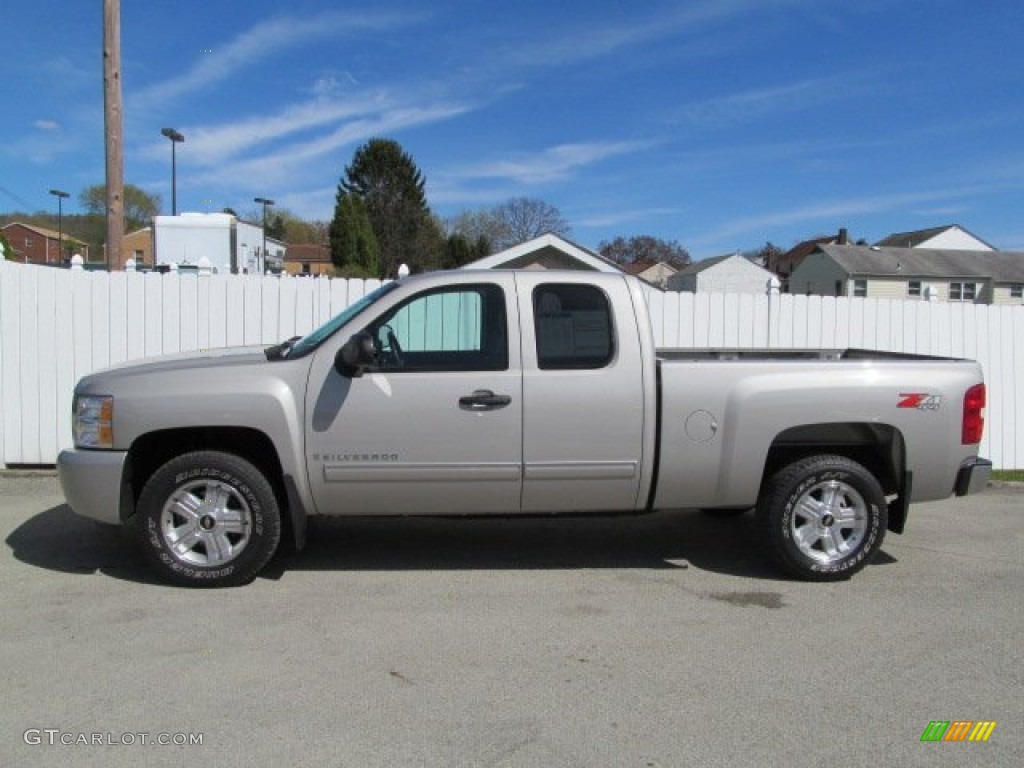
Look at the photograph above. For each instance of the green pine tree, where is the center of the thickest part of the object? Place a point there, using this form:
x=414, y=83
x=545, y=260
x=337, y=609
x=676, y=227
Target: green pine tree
x=354, y=249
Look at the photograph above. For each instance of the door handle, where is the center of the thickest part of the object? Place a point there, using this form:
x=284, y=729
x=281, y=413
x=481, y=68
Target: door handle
x=483, y=399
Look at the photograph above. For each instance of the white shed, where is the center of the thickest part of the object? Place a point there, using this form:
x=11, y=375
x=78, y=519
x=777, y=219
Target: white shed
x=724, y=274
x=185, y=239
x=230, y=245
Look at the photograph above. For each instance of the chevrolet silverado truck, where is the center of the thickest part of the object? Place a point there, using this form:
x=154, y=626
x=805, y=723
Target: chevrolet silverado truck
x=515, y=393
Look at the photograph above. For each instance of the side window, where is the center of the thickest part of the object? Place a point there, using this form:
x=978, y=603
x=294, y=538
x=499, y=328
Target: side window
x=573, y=326
x=462, y=328
x=963, y=291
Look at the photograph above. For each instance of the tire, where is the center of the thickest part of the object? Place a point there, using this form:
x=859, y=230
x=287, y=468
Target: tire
x=723, y=513
x=208, y=519
x=824, y=517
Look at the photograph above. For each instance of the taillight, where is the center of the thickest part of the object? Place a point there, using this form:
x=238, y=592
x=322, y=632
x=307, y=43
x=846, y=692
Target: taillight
x=974, y=421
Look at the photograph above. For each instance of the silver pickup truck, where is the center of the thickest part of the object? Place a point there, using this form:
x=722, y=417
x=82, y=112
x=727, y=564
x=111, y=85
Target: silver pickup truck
x=515, y=393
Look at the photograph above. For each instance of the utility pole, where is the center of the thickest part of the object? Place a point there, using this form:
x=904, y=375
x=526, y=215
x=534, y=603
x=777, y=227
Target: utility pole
x=113, y=126
x=61, y=197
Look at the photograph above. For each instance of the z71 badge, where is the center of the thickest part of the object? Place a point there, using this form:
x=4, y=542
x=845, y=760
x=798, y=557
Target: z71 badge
x=922, y=401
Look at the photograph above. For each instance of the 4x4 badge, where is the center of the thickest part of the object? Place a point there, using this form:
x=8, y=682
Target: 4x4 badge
x=922, y=401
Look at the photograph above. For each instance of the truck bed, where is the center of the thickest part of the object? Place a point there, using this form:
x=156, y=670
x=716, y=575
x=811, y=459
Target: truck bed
x=723, y=353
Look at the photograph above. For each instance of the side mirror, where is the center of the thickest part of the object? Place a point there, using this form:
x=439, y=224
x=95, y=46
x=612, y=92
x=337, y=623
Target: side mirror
x=356, y=355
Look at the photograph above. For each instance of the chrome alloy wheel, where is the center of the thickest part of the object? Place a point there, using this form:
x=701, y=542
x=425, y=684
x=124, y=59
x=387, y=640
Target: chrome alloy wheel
x=830, y=520
x=206, y=522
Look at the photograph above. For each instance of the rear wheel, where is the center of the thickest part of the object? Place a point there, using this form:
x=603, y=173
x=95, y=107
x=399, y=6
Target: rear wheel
x=824, y=517
x=208, y=519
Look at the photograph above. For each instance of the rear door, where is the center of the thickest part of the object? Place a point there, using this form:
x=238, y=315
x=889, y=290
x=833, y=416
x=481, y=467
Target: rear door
x=583, y=394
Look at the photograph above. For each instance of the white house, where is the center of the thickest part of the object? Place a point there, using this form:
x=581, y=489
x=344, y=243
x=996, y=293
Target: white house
x=657, y=274
x=732, y=273
x=232, y=246
x=951, y=237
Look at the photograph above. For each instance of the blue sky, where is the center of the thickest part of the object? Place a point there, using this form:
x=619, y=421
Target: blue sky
x=721, y=124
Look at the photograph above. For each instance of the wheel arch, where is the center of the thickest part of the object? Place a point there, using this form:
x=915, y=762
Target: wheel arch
x=879, y=448
x=151, y=451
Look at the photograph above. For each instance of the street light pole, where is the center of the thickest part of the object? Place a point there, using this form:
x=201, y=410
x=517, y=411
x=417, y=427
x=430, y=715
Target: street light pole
x=264, y=202
x=175, y=137
x=60, y=225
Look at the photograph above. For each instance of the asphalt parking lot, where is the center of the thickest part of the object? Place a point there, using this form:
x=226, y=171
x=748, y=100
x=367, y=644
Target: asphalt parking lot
x=664, y=640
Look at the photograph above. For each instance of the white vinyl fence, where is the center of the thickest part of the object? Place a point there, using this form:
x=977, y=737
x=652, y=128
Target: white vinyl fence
x=59, y=325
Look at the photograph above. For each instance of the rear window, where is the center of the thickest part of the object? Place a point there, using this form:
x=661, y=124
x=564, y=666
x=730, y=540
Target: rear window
x=573, y=325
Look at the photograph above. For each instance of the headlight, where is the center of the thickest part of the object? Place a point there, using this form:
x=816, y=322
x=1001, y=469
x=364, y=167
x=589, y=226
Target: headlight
x=93, y=422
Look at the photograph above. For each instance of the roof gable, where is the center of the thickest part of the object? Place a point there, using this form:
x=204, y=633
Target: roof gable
x=697, y=267
x=917, y=238
x=702, y=266
x=52, y=234
x=41, y=231
x=563, y=252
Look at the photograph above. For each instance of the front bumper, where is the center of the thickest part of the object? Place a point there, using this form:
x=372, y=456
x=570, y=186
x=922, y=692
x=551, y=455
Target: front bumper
x=973, y=476
x=93, y=482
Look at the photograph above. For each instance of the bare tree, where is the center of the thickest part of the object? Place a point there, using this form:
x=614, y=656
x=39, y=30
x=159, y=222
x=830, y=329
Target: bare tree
x=524, y=218
x=474, y=226
x=644, y=249
x=138, y=206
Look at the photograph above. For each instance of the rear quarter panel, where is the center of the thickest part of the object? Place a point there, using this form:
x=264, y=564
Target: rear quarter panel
x=720, y=417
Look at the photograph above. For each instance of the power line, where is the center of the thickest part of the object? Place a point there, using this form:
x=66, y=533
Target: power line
x=19, y=200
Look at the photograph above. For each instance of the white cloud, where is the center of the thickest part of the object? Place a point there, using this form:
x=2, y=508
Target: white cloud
x=281, y=166
x=752, y=103
x=840, y=209
x=212, y=145
x=259, y=42
x=330, y=85
x=552, y=164
x=47, y=125
x=446, y=191
x=588, y=41
x=317, y=203
x=625, y=216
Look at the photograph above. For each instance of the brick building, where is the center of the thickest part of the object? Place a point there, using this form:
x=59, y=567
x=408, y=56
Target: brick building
x=308, y=259
x=39, y=245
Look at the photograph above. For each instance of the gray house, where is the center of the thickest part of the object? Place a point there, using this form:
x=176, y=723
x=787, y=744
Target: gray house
x=977, y=277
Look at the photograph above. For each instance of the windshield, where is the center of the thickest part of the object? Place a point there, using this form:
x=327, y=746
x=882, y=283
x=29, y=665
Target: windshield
x=312, y=340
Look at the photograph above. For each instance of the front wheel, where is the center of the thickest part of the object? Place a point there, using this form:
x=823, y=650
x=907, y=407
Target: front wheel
x=208, y=519
x=824, y=517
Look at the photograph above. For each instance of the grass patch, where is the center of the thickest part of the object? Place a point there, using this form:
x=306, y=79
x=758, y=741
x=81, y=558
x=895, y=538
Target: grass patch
x=1012, y=475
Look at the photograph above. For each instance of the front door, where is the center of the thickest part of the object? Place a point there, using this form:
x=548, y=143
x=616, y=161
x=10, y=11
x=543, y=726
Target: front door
x=436, y=426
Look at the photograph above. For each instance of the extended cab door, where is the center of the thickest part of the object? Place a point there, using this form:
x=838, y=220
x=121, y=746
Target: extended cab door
x=436, y=426
x=583, y=394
